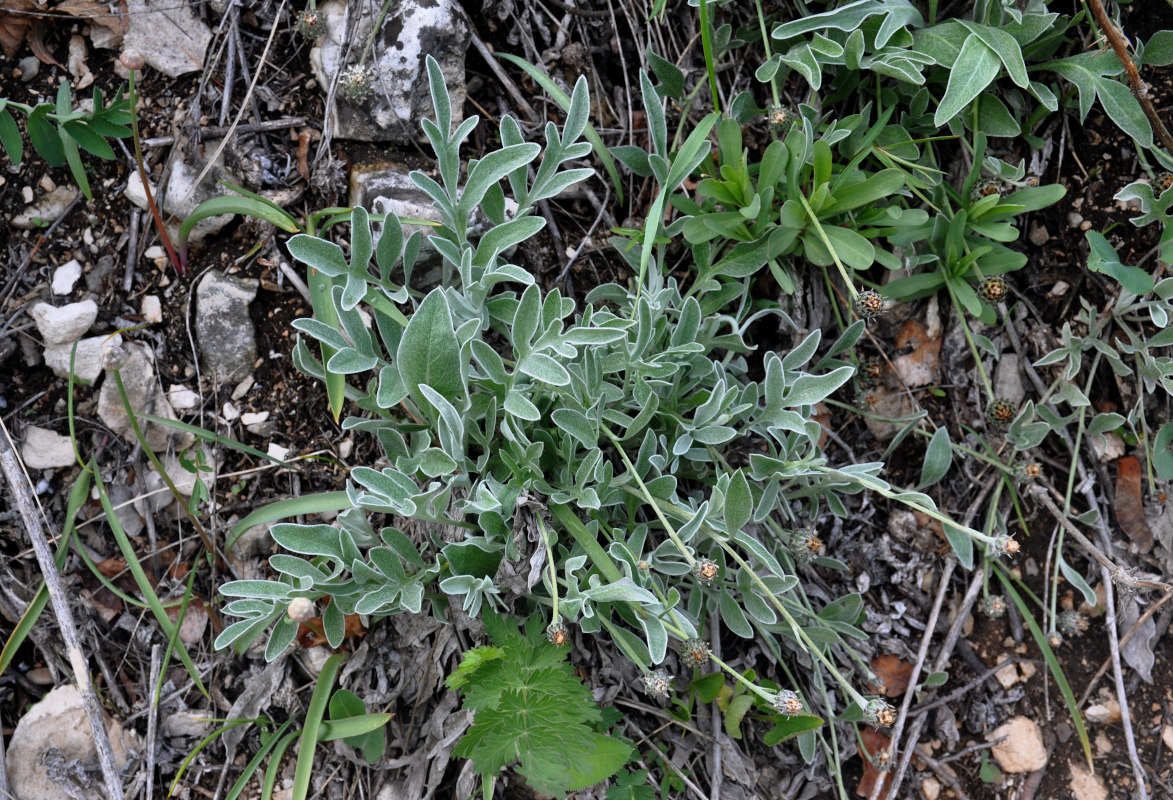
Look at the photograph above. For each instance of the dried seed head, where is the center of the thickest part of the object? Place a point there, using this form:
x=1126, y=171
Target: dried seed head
x=1031, y=181
x=694, y=653
x=1001, y=413
x=805, y=545
x=993, y=606
x=868, y=304
x=311, y=23
x=1028, y=471
x=113, y=357
x=1055, y=639
x=879, y=714
x=1072, y=623
x=643, y=565
x=1004, y=545
x=779, y=118
x=706, y=570
x=871, y=371
x=556, y=634
x=657, y=683
x=356, y=83
x=882, y=760
x=993, y=289
x=985, y=188
x=1163, y=182
x=787, y=703
x=132, y=59
x=301, y=609
x=867, y=399
x=876, y=683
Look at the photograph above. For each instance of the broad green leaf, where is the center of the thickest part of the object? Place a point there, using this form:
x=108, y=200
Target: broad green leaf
x=976, y=67
x=429, y=352
x=738, y=503
x=10, y=138
x=938, y=459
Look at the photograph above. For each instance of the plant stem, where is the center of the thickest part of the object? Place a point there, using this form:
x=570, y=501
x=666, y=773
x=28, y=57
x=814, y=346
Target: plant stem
x=366, y=50
x=766, y=47
x=671, y=531
x=176, y=261
x=1140, y=90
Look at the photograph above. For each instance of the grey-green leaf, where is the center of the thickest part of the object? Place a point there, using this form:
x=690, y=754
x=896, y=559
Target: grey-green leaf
x=429, y=352
x=976, y=67
x=938, y=459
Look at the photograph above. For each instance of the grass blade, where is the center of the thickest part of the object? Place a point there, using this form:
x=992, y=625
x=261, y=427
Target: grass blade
x=140, y=578
x=1052, y=663
x=291, y=507
x=77, y=497
x=313, y=723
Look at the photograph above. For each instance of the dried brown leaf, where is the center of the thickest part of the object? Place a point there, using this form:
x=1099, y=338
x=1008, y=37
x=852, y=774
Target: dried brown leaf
x=37, y=43
x=874, y=743
x=895, y=671
x=96, y=14
x=1130, y=503
x=14, y=25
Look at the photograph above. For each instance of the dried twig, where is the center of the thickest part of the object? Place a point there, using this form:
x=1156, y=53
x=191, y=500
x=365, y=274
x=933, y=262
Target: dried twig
x=975, y=587
x=1091, y=686
x=1140, y=89
x=914, y=679
x=152, y=695
x=1116, y=573
x=19, y=484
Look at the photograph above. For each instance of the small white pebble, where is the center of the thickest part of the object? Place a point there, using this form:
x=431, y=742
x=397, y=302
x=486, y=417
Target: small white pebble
x=1059, y=289
x=1074, y=218
x=26, y=194
x=152, y=308
x=231, y=412
x=47, y=184
x=155, y=252
x=1085, y=225
x=277, y=451
x=182, y=399
x=254, y=418
x=242, y=388
x=43, y=486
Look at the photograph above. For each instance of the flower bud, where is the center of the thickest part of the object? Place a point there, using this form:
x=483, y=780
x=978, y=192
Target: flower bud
x=301, y=609
x=113, y=357
x=132, y=59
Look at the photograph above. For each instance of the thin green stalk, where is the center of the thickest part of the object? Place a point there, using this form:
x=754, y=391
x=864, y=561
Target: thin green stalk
x=366, y=50
x=827, y=243
x=154, y=459
x=766, y=47
x=671, y=531
x=707, y=47
x=553, y=571
x=969, y=340
x=797, y=629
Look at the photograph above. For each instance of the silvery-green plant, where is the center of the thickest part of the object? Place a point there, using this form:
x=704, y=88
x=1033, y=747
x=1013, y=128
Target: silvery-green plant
x=611, y=465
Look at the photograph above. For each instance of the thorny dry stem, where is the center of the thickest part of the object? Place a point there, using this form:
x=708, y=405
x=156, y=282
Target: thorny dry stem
x=18, y=483
x=1140, y=89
